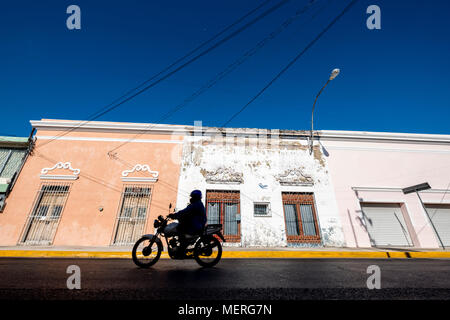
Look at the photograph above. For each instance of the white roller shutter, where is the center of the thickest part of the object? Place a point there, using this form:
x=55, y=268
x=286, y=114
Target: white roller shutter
x=386, y=225
x=440, y=216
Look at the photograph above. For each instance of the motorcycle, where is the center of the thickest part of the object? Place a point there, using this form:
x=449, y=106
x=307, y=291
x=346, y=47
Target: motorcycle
x=205, y=248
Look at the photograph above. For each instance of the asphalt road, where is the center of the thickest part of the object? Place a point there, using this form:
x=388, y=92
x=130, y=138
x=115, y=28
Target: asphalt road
x=236, y=279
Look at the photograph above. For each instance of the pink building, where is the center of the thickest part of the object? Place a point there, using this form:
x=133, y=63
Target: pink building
x=369, y=169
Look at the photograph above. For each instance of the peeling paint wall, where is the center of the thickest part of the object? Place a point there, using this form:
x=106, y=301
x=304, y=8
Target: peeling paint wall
x=261, y=169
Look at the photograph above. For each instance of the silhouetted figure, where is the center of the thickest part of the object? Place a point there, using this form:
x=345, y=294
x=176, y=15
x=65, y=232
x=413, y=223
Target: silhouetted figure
x=192, y=219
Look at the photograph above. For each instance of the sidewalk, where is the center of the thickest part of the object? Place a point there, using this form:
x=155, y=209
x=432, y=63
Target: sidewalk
x=228, y=252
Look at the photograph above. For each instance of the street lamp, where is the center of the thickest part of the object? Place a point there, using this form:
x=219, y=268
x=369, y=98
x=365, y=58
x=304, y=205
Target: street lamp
x=333, y=75
x=416, y=189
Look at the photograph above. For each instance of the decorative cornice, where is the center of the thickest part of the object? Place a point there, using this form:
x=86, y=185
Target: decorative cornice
x=14, y=142
x=223, y=175
x=64, y=138
x=294, y=176
x=395, y=189
x=140, y=167
x=382, y=136
x=108, y=126
x=47, y=124
x=60, y=165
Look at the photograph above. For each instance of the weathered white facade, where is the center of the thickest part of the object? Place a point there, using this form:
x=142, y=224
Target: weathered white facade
x=261, y=165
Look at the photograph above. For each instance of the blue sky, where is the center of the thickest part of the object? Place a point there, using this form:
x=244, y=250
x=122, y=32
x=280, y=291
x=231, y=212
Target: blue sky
x=395, y=79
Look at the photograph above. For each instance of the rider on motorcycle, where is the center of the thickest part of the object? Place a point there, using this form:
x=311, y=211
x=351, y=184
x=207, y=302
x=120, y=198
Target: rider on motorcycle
x=192, y=219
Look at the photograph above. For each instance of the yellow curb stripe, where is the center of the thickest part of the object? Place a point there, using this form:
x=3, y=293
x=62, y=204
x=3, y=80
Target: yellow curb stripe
x=396, y=254
x=229, y=254
x=63, y=254
x=303, y=254
x=430, y=254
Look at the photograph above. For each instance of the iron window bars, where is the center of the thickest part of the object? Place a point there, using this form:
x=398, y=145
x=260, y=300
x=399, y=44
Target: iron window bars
x=46, y=213
x=300, y=217
x=132, y=216
x=224, y=207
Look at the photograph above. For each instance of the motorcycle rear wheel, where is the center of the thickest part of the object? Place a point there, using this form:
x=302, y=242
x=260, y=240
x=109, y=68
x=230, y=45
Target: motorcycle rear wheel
x=145, y=253
x=208, y=251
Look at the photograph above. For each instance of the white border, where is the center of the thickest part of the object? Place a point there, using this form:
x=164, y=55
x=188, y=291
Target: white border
x=109, y=139
x=47, y=124
x=390, y=189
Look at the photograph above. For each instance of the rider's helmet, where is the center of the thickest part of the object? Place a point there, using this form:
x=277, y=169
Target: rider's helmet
x=196, y=194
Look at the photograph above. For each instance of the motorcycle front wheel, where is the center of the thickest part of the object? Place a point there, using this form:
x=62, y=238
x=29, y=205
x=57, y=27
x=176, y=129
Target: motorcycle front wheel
x=208, y=251
x=146, y=253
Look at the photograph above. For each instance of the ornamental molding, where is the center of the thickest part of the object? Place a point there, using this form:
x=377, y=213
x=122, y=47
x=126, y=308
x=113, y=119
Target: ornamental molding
x=294, y=177
x=140, y=167
x=60, y=165
x=223, y=175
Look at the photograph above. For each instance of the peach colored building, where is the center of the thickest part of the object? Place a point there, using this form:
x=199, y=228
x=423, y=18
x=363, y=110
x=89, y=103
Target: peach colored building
x=97, y=184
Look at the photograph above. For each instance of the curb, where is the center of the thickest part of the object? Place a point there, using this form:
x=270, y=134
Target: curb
x=233, y=254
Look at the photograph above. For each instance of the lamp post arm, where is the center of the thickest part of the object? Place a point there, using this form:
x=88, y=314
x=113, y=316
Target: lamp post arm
x=312, y=117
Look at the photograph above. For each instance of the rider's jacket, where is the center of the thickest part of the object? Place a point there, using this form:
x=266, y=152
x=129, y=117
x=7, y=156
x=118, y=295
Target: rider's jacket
x=192, y=218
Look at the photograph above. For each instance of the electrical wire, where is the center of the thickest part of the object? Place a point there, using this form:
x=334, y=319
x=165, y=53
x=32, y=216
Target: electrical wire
x=110, y=107
x=231, y=67
x=290, y=63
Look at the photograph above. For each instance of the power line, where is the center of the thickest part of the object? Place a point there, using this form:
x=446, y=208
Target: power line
x=111, y=107
x=292, y=61
x=229, y=37
x=298, y=56
x=231, y=67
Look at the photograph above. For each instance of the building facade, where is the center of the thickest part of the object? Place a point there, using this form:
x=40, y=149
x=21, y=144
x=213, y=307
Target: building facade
x=103, y=183
x=95, y=184
x=263, y=186
x=369, y=171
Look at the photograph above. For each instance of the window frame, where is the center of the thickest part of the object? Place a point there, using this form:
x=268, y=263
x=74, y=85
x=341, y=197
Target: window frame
x=131, y=192
x=47, y=189
x=222, y=197
x=298, y=199
x=268, y=211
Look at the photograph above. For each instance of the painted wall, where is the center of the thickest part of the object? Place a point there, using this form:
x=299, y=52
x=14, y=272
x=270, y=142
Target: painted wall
x=211, y=162
x=392, y=166
x=99, y=183
x=344, y=170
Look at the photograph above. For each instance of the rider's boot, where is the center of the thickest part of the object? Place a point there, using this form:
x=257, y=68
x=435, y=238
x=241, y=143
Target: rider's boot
x=181, y=250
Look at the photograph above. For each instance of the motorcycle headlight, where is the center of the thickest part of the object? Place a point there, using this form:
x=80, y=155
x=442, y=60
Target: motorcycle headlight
x=156, y=224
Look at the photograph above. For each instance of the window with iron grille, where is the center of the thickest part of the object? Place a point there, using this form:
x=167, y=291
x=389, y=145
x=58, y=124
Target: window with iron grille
x=44, y=218
x=300, y=217
x=132, y=216
x=224, y=207
x=261, y=209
